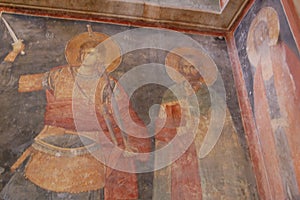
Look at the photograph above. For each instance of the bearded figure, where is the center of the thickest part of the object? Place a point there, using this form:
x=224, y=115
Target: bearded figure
x=198, y=134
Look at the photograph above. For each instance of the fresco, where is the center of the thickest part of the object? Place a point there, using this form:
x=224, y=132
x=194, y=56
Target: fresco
x=72, y=130
x=270, y=62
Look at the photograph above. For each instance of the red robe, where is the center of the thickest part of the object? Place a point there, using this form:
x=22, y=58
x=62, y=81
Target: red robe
x=185, y=178
x=60, y=113
x=286, y=73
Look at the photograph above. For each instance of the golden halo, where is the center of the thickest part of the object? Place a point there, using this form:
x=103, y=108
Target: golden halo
x=269, y=16
x=112, y=49
x=201, y=61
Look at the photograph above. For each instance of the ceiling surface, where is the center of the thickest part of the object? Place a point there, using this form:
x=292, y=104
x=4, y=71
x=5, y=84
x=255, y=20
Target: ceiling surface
x=191, y=15
x=204, y=5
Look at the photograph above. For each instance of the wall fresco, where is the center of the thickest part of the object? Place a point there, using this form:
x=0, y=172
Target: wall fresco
x=37, y=105
x=270, y=63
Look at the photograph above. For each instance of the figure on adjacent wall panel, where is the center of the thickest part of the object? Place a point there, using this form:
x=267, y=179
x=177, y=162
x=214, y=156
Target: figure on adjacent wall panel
x=60, y=158
x=191, y=175
x=276, y=86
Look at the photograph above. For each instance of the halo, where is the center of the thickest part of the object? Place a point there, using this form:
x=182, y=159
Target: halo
x=269, y=16
x=112, y=49
x=201, y=61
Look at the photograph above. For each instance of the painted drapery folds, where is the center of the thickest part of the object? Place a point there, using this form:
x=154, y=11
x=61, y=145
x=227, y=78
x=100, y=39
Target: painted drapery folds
x=271, y=66
x=192, y=169
x=78, y=131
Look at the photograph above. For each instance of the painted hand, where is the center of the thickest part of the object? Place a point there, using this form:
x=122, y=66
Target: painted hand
x=129, y=151
x=18, y=46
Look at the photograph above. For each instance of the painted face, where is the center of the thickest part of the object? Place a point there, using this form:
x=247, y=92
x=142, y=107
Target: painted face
x=91, y=62
x=190, y=73
x=84, y=55
x=261, y=35
x=188, y=70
